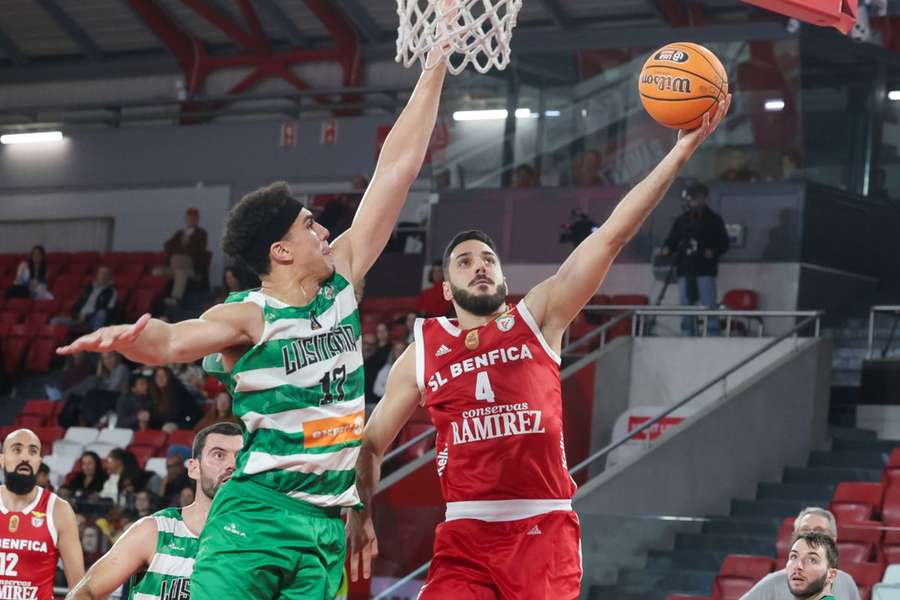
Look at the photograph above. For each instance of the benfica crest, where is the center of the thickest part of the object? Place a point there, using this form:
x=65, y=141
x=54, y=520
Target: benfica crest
x=472, y=341
x=37, y=519
x=505, y=323
x=14, y=523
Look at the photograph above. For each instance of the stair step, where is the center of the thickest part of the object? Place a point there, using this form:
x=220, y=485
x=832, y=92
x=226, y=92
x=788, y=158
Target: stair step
x=684, y=580
x=770, y=508
x=742, y=526
x=730, y=544
x=692, y=560
x=876, y=445
x=848, y=458
x=612, y=592
x=849, y=433
x=795, y=491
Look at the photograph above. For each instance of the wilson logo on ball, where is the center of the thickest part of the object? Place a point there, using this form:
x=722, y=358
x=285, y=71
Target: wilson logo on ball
x=676, y=56
x=680, y=85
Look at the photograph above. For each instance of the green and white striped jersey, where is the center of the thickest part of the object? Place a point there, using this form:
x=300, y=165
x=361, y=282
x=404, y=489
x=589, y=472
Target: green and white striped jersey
x=299, y=394
x=168, y=577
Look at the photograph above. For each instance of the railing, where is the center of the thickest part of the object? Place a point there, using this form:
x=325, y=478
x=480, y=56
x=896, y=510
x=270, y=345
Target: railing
x=873, y=312
x=809, y=318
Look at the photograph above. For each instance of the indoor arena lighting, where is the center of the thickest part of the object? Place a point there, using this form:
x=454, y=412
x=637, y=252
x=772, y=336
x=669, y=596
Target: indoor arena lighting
x=894, y=95
x=775, y=105
x=31, y=138
x=490, y=115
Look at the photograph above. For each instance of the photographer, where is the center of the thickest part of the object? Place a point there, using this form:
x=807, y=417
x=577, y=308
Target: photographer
x=696, y=241
x=579, y=227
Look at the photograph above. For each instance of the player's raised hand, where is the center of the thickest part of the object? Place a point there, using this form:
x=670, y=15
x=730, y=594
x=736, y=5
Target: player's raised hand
x=692, y=139
x=363, y=544
x=115, y=338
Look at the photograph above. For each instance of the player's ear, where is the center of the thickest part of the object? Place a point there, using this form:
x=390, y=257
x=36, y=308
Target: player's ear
x=193, y=467
x=448, y=293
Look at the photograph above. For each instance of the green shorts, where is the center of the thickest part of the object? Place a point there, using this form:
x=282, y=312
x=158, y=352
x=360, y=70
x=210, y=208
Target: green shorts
x=263, y=545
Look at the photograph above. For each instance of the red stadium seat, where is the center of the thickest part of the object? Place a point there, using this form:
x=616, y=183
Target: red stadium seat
x=46, y=306
x=40, y=355
x=213, y=387
x=86, y=257
x=153, y=438
x=38, y=319
x=78, y=269
x=58, y=258
x=865, y=574
x=861, y=539
x=42, y=408
x=857, y=501
x=686, y=597
x=142, y=453
x=23, y=329
x=630, y=299
x=59, y=333
x=10, y=317
x=30, y=421
x=67, y=286
x=740, y=300
x=143, y=300
x=15, y=347
x=738, y=574
x=783, y=543
x=183, y=437
x=22, y=305
x=48, y=435
x=153, y=281
x=891, y=474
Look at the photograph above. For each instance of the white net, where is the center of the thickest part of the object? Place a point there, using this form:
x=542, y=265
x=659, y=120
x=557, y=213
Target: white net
x=463, y=31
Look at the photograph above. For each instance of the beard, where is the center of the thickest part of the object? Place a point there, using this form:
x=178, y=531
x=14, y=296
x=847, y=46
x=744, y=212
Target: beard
x=19, y=483
x=210, y=486
x=812, y=589
x=480, y=305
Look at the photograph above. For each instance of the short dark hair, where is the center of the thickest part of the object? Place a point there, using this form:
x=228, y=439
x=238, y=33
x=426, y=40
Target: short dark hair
x=248, y=218
x=43, y=469
x=465, y=236
x=223, y=428
x=816, y=540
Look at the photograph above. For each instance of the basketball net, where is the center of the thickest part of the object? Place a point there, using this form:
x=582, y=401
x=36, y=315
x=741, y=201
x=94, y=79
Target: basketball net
x=479, y=31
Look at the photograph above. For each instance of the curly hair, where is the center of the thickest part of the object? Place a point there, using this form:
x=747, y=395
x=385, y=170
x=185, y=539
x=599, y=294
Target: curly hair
x=250, y=219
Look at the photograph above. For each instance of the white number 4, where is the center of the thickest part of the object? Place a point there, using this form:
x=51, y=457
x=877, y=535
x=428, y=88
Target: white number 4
x=8, y=564
x=483, y=389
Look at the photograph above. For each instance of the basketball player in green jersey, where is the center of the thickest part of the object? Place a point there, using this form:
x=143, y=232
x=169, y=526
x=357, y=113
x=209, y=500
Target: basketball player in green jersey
x=162, y=547
x=290, y=355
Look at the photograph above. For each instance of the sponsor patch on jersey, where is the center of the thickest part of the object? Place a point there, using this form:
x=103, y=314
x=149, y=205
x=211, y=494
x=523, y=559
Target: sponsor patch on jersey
x=333, y=430
x=37, y=519
x=505, y=323
x=14, y=523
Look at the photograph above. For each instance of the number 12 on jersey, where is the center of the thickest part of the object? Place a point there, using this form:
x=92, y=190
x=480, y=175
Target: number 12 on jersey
x=483, y=390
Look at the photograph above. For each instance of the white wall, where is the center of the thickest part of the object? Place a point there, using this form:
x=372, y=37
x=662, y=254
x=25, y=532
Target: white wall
x=143, y=218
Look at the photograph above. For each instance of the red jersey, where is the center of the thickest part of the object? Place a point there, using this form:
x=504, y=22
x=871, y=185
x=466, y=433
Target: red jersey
x=28, y=551
x=494, y=396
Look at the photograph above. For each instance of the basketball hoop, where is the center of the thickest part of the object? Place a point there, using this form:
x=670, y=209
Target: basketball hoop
x=480, y=31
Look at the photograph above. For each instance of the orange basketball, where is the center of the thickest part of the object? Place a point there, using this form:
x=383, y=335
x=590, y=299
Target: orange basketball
x=680, y=83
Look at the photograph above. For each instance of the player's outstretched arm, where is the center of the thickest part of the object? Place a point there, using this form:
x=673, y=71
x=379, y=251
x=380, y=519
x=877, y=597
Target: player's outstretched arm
x=154, y=342
x=131, y=553
x=558, y=300
x=400, y=399
x=398, y=167
x=68, y=541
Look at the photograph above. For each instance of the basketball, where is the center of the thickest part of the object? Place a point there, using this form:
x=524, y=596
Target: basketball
x=680, y=83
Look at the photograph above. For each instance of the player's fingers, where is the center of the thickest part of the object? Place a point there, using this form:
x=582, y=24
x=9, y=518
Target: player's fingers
x=367, y=561
x=374, y=547
x=139, y=326
x=354, y=566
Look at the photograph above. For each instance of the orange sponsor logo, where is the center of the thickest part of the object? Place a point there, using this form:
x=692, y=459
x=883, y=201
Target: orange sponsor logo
x=333, y=430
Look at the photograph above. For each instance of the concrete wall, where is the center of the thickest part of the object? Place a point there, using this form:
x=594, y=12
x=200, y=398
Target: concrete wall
x=613, y=382
x=773, y=420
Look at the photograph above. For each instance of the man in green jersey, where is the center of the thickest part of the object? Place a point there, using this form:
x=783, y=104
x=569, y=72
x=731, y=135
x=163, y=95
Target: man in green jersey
x=812, y=566
x=158, y=551
x=290, y=355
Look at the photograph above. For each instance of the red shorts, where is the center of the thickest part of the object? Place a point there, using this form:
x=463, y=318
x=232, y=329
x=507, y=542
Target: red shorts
x=530, y=559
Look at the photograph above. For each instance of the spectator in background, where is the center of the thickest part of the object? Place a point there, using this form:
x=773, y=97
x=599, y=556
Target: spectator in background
x=587, y=170
x=31, y=277
x=186, y=497
x=94, y=544
x=77, y=368
x=144, y=504
x=89, y=402
x=186, y=253
x=124, y=473
x=42, y=478
x=431, y=301
x=96, y=303
x=791, y=166
x=234, y=280
x=525, y=176
x=397, y=348
x=130, y=403
x=368, y=345
x=775, y=585
x=176, y=479
x=143, y=420
x=697, y=240
x=91, y=478
x=219, y=412
x=171, y=405
x=377, y=360
x=737, y=168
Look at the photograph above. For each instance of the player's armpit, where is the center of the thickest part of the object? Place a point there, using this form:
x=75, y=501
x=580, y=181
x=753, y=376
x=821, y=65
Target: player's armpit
x=401, y=397
x=68, y=541
x=129, y=554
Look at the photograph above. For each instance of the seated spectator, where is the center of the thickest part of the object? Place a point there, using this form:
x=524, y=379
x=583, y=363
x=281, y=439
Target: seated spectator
x=397, y=348
x=95, y=305
x=89, y=482
x=77, y=368
x=186, y=253
x=145, y=504
x=176, y=479
x=194, y=379
x=235, y=279
x=525, y=176
x=431, y=301
x=171, y=405
x=368, y=345
x=89, y=402
x=186, y=497
x=737, y=168
x=377, y=360
x=124, y=473
x=94, y=544
x=43, y=477
x=132, y=402
x=143, y=420
x=219, y=412
x=31, y=277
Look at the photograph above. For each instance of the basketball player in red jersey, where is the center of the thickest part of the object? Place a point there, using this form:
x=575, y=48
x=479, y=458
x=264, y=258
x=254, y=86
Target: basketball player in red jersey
x=491, y=383
x=36, y=526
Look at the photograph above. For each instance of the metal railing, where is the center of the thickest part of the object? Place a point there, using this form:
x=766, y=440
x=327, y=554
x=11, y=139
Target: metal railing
x=809, y=318
x=873, y=313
